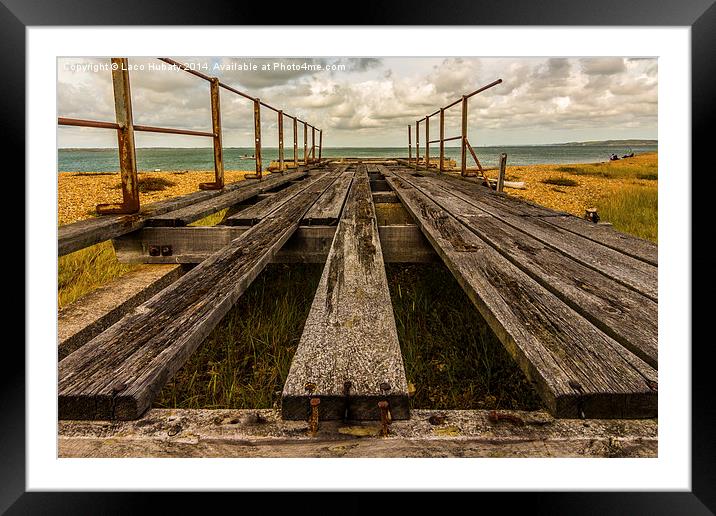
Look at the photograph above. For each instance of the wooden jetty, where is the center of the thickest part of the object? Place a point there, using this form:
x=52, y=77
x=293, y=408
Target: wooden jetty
x=574, y=303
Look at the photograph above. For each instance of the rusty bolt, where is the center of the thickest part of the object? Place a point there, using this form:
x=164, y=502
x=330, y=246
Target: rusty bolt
x=166, y=250
x=118, y=387
x=154, y=250
x=313, y=419
x=309, y=386
x=385, y=386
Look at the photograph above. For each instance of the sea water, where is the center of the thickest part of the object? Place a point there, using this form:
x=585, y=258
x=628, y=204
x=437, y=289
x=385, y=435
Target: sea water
x=241, y=158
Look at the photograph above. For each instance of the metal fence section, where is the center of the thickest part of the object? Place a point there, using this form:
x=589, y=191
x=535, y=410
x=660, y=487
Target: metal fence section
x=125, y=128
x=464, y=143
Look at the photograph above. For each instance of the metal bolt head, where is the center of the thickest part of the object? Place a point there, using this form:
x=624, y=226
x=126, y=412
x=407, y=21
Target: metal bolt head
x=154, y=250
x=166, y=250
x=315, y=402
x=309, y=386
x=384, y=386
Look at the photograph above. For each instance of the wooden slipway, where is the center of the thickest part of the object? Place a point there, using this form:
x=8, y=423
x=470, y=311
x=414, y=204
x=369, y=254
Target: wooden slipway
x=349, y=356
x=574, y=303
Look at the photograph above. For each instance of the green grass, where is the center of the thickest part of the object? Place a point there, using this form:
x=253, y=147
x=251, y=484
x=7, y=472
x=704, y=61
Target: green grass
x=634, y=211
x=651, y=176
x=244, y=362
x=83, y=271
x=560, y=181
x=450, y=355
x=568, y=169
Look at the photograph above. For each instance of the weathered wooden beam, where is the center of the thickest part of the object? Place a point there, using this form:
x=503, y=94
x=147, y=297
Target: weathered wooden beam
x=118, y=373
x=194, y=244
x=626, y=316
x=199, y=210
x=577, y=369
x=84, y=233
x=385, y=197
x=633, y=273
x=81, y=321
x=349, y=356
x=253, y=214
x=501, y=173
x=262, y=433
x=327, y=209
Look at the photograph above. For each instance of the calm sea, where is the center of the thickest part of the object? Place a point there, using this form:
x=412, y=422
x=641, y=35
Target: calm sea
x=240, y=158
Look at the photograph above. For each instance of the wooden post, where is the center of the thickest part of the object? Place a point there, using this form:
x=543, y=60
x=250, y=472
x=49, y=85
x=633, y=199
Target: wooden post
x=305, y=143
x=417, y=144
x=427, y=143
x=125, y=138
x=442, y=140
x=280, y=141
x=463, y=140
x=320, y=144
x=257, y=136
x=501, y=175
x=410, y=147
x=295, y=142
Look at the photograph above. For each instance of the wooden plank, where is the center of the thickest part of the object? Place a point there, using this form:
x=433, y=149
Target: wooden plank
x=194, y=244
x=84, y=233
x=350, y=333
x=117, y=374
x=627, y=244
x=625, y=315
x=202, y=209
x=385, y=197
x=253, y=214
x=90, y=315
x=631, y=272
x=327, y=209
x=577, y=369
x=262, y=433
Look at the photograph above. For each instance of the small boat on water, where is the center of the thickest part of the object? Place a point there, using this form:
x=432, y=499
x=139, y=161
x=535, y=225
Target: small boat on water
x=613, y=157
x=246, y=156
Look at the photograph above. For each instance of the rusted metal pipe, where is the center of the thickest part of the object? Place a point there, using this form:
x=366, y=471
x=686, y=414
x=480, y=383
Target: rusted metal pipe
x=320, y=145
x=463, y=143
x=305, y=143
x=257, y=136
x=385, y=417
x=170, y=130
x=427, y=143
x=417, y=144
x=295, y=142
x=125, y=138
x=313, y=143
x=442, y=140
x=77, y=122
x=410, y=146
x=280, y=141
x=218, y=183
x=313, y=417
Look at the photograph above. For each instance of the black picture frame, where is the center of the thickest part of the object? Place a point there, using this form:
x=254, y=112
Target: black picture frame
x=700, y=15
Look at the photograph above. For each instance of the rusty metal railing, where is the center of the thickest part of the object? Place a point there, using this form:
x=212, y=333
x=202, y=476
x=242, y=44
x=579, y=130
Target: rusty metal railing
x=464, y=143
x=125, y=127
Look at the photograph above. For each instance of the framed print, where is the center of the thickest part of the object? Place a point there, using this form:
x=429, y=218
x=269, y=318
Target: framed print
x=427, y=246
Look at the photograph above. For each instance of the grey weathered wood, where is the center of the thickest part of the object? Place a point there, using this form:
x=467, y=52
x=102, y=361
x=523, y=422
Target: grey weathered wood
x=262, y=433
x=93, y=313
x=625, y=315
x=256, y=212
x=384, y=197
x=194, y=244
x=577, y=369
x=327, y=209
x=622, y=242
x=199, y=210
x=84, y=233
x=350, y=333
x=631, y=272
x=118, y=373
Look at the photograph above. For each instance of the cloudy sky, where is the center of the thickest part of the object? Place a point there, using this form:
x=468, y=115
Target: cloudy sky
x=368, y=102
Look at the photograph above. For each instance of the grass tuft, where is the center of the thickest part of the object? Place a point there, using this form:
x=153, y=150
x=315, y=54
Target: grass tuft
x=560, y=181
x=151, y=184
x=633, y=211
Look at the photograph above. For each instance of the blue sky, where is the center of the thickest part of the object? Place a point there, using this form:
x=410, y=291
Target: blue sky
x=370, y=101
